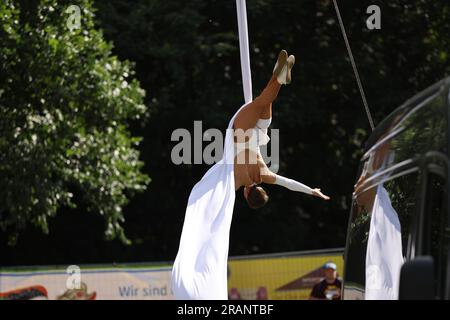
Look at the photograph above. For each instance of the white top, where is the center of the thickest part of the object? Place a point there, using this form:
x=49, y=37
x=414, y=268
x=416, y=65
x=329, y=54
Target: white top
x=258, y=137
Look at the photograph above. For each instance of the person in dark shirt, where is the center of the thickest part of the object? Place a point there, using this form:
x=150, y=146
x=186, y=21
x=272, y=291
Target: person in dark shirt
x=330, y=287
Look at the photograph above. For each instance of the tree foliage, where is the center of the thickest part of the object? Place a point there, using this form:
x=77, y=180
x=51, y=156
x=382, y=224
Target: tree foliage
x=65, y=102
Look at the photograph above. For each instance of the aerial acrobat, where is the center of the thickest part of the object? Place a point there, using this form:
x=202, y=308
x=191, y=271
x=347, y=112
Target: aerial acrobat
x=200, y=268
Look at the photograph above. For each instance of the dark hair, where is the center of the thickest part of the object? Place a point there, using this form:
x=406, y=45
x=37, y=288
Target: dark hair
x=257, y=197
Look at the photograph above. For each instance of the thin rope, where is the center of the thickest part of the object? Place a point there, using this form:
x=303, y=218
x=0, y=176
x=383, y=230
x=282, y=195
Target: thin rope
x=355, y=70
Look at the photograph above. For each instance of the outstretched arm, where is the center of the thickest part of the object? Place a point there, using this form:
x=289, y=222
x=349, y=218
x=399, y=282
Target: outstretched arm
x=297, y=186
x=292, y=184
x=272, y=178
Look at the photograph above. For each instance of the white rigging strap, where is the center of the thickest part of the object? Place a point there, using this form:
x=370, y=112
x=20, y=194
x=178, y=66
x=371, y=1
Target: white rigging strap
x=244, y=50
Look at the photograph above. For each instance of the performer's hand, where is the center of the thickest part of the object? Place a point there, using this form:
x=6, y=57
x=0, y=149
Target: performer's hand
x=316, y=192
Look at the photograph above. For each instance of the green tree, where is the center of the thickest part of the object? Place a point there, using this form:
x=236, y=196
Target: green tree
x=65, y=107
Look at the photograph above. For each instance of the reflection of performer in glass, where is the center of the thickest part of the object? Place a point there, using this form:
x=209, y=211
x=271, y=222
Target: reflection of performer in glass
x=384, y=256
x=379, y=158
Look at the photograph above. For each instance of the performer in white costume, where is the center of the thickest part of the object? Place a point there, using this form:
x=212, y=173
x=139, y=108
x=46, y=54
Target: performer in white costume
x=200, y=268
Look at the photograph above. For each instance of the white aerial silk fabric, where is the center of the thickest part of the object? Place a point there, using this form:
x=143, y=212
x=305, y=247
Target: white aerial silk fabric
x=244, y=50
x=384, y=257
x=200, y=268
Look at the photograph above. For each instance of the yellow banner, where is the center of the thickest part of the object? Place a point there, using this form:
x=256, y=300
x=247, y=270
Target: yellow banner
x=278, y=278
